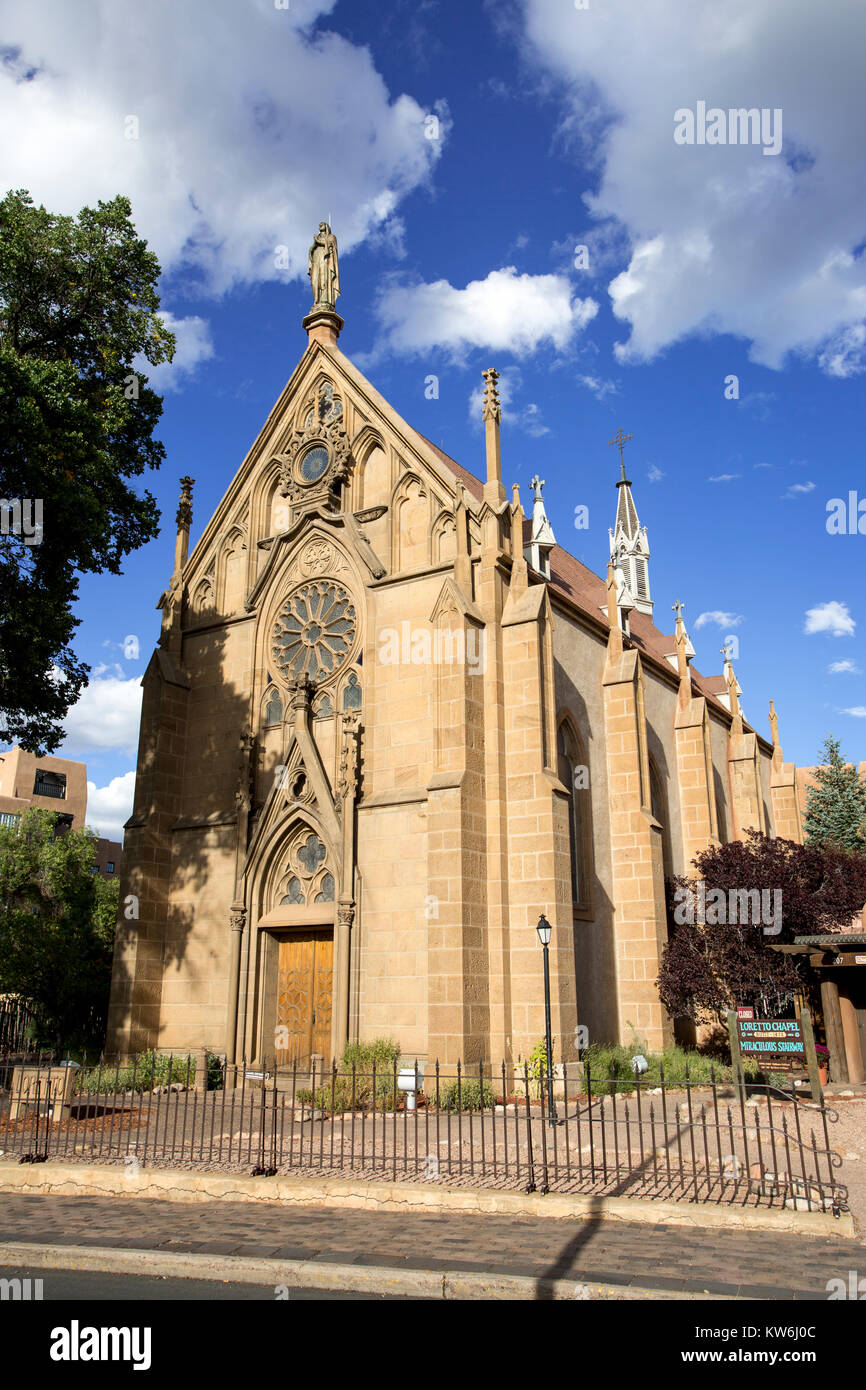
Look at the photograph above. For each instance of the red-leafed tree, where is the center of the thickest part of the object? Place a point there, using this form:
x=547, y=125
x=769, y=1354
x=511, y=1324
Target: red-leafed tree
x=717, y=957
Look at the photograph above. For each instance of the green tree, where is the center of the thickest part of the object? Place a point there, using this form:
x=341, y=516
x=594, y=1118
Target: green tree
x=836, y=804
x=57, y=923
x=78, y=307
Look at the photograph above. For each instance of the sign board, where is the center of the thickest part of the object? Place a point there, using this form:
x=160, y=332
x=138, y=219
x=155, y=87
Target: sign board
x=777, y=1041
x=849, y=958
x=745, y=1012
x=776, y=1044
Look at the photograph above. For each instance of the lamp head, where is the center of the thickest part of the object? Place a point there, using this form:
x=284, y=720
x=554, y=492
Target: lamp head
x=544, y=929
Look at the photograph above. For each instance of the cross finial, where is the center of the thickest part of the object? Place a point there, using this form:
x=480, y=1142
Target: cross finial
x=184, y=507
x=678, y=607
x=490, y=407
x=726, y=652
x=537, y=484
x=619, y=442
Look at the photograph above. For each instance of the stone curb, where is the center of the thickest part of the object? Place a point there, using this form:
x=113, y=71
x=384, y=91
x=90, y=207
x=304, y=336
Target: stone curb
x=173, y=1185
x=314, y=1274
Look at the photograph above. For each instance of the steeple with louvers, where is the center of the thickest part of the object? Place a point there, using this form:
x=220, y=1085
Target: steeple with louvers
x=629, y=547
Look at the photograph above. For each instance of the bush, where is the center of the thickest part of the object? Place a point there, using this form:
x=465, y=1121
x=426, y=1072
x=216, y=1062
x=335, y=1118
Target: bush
x=149, y=1070
x=601, y=1057
x=472, y=1096
x=340, y=1094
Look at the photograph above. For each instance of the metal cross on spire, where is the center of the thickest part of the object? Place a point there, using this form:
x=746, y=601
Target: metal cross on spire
x=619, y=442
x=678, y=607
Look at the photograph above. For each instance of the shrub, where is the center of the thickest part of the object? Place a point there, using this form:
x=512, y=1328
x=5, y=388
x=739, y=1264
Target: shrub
x=599, y=1058
x=472, y=1096
x=338, y=1095
x=149, y=1070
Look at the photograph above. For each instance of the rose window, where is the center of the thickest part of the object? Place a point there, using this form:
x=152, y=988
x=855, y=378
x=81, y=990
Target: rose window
x=314, y=631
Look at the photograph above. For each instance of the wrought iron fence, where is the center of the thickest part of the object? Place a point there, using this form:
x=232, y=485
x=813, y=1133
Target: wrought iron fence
x=15, y=1020
x=696, y=1141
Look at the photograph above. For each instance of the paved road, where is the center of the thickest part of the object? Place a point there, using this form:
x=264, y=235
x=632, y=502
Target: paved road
x=84, y=1286
x=757, y=1264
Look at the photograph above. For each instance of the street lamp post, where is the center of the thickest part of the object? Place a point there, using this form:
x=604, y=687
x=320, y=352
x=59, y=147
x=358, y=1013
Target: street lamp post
x=544, y=929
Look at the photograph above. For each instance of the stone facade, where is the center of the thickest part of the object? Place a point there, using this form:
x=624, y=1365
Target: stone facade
x=388, y=723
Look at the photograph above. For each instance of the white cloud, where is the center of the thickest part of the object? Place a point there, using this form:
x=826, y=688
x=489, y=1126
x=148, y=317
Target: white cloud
x=106, y=716
x=109, y=807
x=724, y=478
x=598, y=386
x=832, y=617
x=845, y=356
x=724, y=239
x=858, y=711
x=655, y=474
x=526, y=417
x=251, y=127
x=837, y=668
x=718, y=618
x=506, y=312
x=194, y=345
x=797, y=489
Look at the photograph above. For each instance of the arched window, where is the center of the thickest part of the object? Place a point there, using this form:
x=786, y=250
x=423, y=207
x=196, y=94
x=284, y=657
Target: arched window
x=659, y=808
x=273, y=708
x=352, y=694
x=573, y=772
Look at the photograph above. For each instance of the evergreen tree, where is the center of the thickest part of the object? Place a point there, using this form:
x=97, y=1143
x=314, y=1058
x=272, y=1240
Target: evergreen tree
x=836, y=805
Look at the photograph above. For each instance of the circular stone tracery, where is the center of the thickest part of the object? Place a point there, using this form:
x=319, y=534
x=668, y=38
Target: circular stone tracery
x=314, y=631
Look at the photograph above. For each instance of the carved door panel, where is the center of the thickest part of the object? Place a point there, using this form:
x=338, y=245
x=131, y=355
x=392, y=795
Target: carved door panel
x=304, y=992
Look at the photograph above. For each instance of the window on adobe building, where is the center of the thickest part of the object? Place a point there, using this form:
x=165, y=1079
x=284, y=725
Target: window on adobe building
x=109, y=868
x=49, y=783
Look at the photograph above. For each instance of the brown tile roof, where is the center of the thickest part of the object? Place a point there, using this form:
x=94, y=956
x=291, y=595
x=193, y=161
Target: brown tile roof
x=588, y=592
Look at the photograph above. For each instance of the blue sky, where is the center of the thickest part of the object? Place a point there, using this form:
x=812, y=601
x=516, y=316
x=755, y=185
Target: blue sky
x=463, y=152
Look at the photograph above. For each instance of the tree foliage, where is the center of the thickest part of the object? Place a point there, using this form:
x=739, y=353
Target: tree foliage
x=710, y=967
x=78, y=308
x=57, y=924
x=836, y=804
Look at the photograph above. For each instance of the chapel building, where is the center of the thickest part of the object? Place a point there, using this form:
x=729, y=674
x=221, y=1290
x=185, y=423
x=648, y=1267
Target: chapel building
x=388, y=724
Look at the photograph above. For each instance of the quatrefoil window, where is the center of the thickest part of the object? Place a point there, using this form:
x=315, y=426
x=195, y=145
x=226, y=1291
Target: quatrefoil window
x=314, y=632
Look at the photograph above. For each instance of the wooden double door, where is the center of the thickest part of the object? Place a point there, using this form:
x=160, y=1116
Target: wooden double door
x=305, y=988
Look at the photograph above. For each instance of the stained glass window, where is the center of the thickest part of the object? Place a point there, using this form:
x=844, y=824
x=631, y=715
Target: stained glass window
x=312, y=853
x=326, y=894
x=315, y=631
x=294, y=894
x=274, y=709
x=352, y=694
x=313, y=464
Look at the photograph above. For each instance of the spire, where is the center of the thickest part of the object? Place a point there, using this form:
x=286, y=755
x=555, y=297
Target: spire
x=682, y=638
x=491, y=414
x=629, y=547
x=184, y=522
x=734, y=693
x=519, y=577
x=614, y=641
x=542, y=539
x=774, y=726
x=774, y=730
x=462, y=564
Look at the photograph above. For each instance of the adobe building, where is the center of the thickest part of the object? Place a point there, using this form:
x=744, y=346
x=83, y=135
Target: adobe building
x=388, y=723
x=53, y=784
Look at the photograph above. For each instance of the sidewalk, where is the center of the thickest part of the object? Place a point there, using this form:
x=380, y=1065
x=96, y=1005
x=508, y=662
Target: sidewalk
x=431, y=1255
